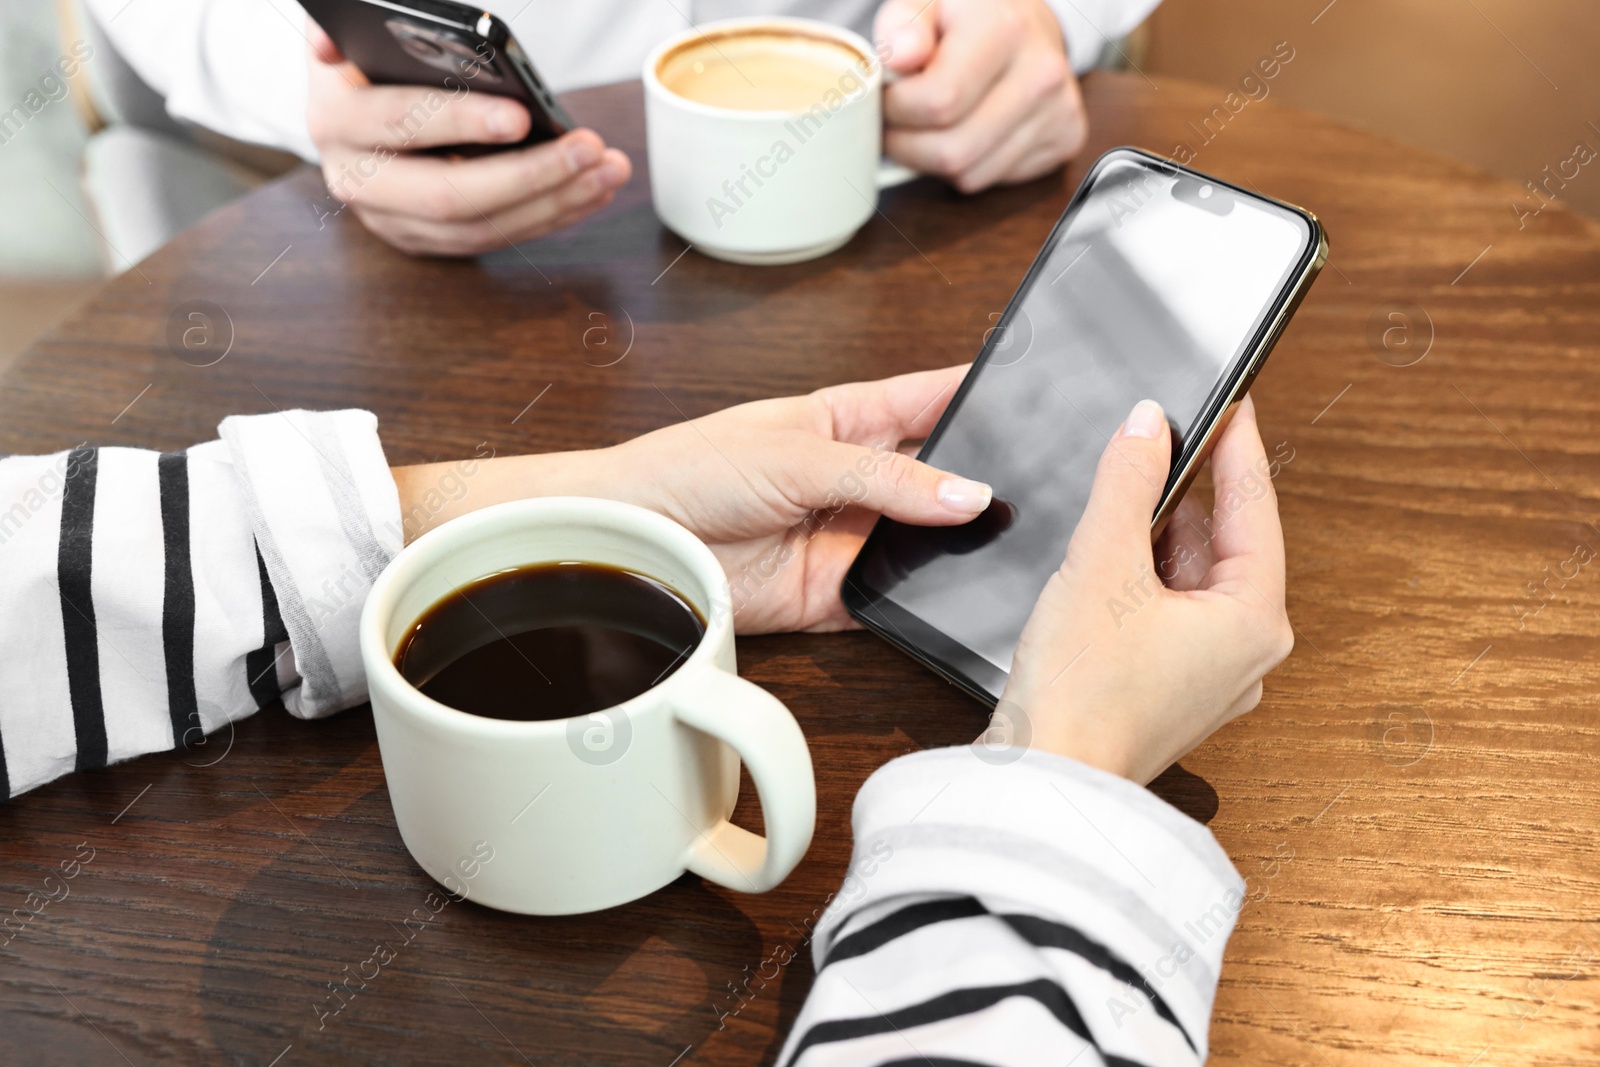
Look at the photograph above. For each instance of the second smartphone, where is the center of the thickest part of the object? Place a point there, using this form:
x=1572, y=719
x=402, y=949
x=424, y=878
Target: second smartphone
x=444, y=44
x=1158, y=282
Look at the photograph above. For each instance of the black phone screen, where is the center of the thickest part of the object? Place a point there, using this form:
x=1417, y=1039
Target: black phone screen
x=1155, y=283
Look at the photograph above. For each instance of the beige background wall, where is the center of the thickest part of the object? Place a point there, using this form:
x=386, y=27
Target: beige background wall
x=1506, y=85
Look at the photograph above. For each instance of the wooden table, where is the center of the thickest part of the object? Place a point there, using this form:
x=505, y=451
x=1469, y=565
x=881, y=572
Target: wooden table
x=1414, y=803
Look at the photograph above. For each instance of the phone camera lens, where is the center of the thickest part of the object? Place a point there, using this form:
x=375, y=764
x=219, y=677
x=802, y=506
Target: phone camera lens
x=1205, y=192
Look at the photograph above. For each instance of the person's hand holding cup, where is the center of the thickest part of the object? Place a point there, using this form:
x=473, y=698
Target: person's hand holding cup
x=983, y=91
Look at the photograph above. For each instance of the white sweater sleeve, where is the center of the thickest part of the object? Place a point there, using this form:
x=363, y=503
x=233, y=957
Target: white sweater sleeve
x=238, y=68
x=1041, y=912
x=148, y=598
x=1089, y=24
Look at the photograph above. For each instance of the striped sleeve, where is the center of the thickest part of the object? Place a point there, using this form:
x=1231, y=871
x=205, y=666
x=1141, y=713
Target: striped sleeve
x=1017, y=912
x=326, y=519
x=142, y=594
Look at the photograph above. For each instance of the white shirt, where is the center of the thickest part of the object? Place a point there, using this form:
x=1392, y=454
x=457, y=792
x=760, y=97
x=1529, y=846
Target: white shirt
x=239, y=66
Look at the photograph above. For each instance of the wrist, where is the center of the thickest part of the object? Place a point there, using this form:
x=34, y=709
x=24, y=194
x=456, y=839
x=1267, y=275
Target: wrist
x=434, y=493
x=1051, y=24
x=1087, y=750
x=1074, y=736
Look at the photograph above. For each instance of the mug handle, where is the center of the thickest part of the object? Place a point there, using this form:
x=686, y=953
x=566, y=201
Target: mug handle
x=761, y=730
x=891, y=174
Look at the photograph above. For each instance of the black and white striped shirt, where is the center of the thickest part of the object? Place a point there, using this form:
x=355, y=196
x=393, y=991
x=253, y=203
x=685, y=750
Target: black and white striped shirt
x=148, y=598
x=1038, y=912
x=1035, y=913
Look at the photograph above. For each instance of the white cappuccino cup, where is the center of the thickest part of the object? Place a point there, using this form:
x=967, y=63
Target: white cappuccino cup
x=765, y=136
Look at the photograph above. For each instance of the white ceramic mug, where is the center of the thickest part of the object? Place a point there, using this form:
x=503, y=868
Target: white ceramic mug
x=584, y=813
x=768, y=187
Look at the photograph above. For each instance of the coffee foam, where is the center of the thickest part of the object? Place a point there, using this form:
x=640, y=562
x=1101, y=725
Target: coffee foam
x=760, y=70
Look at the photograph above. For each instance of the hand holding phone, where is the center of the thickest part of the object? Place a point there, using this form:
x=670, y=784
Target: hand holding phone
x=378, y=153
x=1158, y=282
x=1116, y=669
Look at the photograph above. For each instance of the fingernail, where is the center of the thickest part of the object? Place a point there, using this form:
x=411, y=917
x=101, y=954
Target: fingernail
x=582, y=155
x=959, y=494
x=903, y=41
x=1146, y=420
x=611, y=173
x=502, y=121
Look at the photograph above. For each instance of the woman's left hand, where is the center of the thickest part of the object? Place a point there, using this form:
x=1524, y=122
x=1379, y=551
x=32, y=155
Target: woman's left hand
x=784, y=491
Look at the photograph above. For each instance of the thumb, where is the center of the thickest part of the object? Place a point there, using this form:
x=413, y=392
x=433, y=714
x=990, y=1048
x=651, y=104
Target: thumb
x=1114, y=531
x=886, y=482
x=906, y=32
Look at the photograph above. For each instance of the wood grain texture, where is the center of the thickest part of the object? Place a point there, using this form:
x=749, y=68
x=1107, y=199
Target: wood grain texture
x=1414, y=803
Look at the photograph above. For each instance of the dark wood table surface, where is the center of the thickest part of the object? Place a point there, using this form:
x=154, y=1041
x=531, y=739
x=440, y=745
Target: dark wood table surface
x=1415, y=802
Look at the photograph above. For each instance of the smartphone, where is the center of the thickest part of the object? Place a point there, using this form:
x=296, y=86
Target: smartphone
x=444, y=44
x=1157, y=281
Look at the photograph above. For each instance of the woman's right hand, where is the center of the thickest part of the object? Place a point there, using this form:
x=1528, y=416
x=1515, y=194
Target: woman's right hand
x=1124, y=671
x=368, y=137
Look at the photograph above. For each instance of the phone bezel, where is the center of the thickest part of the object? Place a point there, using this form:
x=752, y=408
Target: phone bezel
x=948, y=657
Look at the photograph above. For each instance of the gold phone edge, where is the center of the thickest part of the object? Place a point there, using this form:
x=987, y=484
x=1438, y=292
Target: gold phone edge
x=1258, y=355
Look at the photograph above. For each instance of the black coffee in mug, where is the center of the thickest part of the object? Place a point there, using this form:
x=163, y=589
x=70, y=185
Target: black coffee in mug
x=549, y=641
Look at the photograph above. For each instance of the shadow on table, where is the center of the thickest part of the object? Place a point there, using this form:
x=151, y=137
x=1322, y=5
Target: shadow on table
x=623, y=255
x=1188, y=792
x=295, y=959
x=859, y=699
